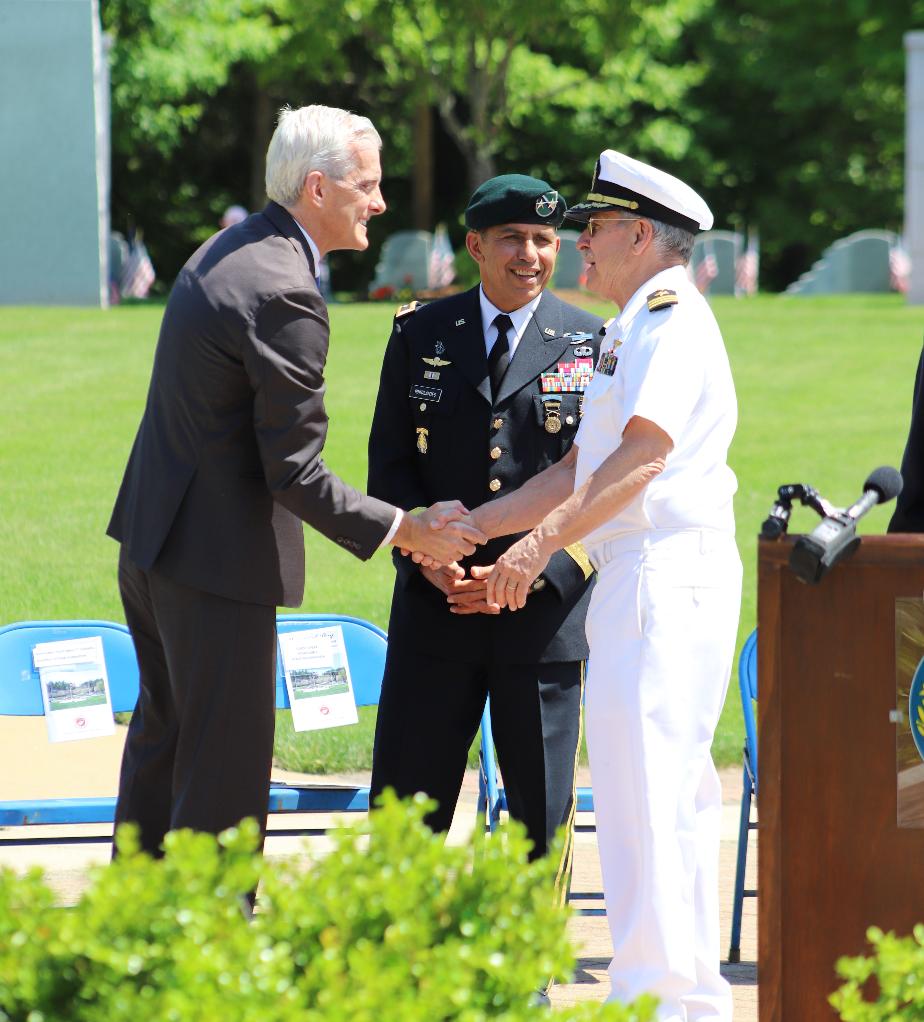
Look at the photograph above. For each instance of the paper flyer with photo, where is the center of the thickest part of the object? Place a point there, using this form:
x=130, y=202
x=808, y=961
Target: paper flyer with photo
x=75, y=688
x=318, y=679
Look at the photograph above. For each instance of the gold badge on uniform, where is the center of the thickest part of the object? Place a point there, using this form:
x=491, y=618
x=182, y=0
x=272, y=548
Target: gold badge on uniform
x=422, y=434
x=552, y=409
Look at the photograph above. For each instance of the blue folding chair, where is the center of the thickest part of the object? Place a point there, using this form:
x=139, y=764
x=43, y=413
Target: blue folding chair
x=20, y=695
x=366, y=646
x=747, y=683
x=492, y=801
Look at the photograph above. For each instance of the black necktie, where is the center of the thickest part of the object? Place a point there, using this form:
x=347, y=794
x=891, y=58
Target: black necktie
x=499, y=357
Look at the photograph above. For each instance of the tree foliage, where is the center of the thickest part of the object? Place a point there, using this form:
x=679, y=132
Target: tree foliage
x=174, y=66
x=788, y=116
x=799, y=122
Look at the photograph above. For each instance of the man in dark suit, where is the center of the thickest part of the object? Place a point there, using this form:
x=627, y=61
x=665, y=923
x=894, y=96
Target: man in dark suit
x=909, y=509
x=480, y=391
x=225, y=467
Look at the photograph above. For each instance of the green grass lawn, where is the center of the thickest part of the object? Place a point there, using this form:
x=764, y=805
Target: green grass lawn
x=824, y=390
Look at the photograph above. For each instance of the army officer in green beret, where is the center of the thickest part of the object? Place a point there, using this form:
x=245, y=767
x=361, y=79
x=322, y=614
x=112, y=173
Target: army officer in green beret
x=479, y=392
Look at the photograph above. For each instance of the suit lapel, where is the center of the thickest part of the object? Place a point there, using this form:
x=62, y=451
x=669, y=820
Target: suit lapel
x=542, y=344
x=465, y=340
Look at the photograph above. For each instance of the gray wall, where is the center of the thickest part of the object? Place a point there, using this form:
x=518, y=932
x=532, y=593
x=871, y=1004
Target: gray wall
x=53, y=154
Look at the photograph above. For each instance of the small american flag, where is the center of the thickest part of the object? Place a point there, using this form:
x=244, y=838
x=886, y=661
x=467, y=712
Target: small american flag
x=706, y=273
x=899, y=268
x=747, y=268
x=441, y=271
x=138, y=272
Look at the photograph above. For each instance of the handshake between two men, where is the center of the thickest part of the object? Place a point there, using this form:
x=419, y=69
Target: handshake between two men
x=447, y=531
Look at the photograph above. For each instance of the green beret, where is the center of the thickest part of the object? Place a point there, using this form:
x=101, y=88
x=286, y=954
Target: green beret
x=514, y=199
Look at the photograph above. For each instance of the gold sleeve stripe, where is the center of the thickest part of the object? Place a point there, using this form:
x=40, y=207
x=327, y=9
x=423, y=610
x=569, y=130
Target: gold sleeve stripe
x=579, y=555
x=611, y=200
x=566, y=863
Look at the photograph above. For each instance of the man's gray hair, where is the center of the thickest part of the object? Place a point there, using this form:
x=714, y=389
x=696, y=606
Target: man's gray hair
x=313, y=138
x=672, y=241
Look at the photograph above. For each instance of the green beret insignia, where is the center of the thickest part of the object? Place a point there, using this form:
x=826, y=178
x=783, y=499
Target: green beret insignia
x=547, y=204
x=661, y=299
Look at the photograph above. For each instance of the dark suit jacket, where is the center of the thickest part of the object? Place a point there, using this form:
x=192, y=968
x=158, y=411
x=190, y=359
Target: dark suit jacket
x=462, y=428
x=227, y=459
x=909, y=510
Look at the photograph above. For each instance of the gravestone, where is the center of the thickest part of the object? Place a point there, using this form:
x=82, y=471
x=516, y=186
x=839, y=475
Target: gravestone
x=569, y=267
x=404, y=261
x=54, y=154
x=856, y=264
x=725, y=247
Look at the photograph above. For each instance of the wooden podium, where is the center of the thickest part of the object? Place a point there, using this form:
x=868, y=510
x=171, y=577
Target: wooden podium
x=832, y=858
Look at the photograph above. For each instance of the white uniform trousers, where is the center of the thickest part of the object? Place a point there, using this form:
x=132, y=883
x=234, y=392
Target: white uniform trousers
x=662, y=626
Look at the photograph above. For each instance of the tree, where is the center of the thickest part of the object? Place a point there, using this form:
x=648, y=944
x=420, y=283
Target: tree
x=168, y=59
x=490, y=67
x=800, y=120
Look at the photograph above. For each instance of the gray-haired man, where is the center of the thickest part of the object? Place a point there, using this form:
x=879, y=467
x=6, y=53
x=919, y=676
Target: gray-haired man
x=225, y=467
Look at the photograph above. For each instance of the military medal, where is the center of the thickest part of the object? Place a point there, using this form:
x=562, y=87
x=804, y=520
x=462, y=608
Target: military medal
x=552, y=409
x=568, y=377
x=607, y=361
x=422, y=433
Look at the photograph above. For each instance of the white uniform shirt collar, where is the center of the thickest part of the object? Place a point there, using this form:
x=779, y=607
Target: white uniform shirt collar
x=519, y=317
x=674, y=278
x=315, y=253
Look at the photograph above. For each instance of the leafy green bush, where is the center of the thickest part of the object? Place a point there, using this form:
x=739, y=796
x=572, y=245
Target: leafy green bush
x=897, y=965
x=390, y=925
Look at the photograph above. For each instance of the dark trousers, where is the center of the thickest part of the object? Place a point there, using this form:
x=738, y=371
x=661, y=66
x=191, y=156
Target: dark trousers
x=429, y=713
x=200, y=744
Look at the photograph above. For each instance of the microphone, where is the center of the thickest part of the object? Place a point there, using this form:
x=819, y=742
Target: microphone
x=777, y=521
x=836, y=537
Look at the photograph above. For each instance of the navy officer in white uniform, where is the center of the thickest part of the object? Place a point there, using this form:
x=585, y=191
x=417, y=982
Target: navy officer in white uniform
x=647, y=488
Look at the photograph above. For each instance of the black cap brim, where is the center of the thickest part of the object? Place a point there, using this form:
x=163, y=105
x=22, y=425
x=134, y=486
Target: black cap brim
x=583, y=211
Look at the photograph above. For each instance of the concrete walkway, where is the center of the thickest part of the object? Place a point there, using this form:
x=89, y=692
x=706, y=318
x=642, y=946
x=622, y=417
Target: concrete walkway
x=30, y=767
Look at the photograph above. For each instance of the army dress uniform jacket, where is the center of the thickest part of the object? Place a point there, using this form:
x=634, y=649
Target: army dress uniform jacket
x=437, y=436
x=227, y=460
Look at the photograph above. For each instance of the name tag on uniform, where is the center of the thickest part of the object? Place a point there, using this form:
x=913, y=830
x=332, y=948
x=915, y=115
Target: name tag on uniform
x=421, y=393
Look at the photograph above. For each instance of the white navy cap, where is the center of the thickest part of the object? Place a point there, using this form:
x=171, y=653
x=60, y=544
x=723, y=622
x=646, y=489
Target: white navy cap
x=623, y=183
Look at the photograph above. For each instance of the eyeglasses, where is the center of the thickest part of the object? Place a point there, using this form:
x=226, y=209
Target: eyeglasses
x=593, y=222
